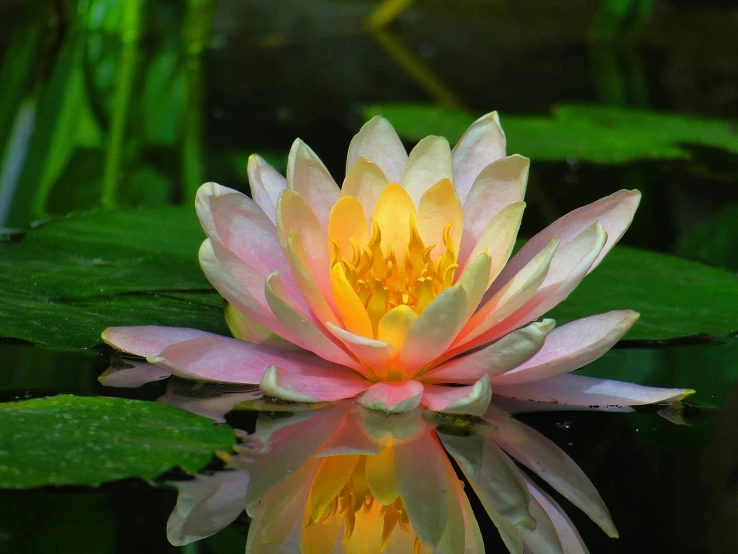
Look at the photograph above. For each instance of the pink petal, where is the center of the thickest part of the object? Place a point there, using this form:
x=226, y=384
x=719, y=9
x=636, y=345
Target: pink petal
x=482, y=143
x=569, y=539
x=131, y=374
x=307, y=176
x=470, y=400
x=245, y=231
x=206, y=504
x=429, y=163
x=507, y=353
x=147, y=340
x=305, y=246
x=229, y=360
x=239, y=284
x=266, y=185
x=298, y=386
x=568, y=267
x=302, y=328
x=614, y=212
x=378, y=142
x=572, y=346
x=375, y=353
x=500, y=184
x=202, y=204
x=580, y=390
x=553, y=465
x=393, y=396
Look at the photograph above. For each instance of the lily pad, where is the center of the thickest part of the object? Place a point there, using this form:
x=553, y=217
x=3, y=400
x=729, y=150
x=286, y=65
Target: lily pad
x=675, y=297
x=607, y=135
x=70, y=440
x=64, y=283
x=715, y=240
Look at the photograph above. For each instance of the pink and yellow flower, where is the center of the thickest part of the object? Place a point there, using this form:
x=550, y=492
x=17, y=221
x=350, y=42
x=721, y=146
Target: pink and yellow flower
x=398, y=288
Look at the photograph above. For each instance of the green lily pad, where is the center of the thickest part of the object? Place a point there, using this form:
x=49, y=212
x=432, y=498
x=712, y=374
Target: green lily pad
x=675, y=297
x=71, y=440
x=64, y=283
x=714, y=241
x=607, y=135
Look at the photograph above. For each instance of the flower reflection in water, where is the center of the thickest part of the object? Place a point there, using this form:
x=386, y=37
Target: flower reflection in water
x=341, y=478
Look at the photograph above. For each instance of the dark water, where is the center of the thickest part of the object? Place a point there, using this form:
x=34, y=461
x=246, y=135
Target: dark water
x=267, y=74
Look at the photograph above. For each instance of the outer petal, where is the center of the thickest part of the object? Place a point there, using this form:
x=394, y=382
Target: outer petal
x=246, y=232
x=206, y=505
x=511, y=297
x=389, y=396
x=498, y=239
x=378, y=142
x=147, y=340
x=301, y=387
x=569, y=266
x=301, y=327
x=239, y=284
x=202, y=204
x=470, y=400
x=482, y=144
x=432, y=333
x=307, y=176
x=572, y=346
x=429, y=163
x=266, y=185
x=580, y=390
x=500, y=184
x=229, y=360
x=614, y=212
x=507, y=353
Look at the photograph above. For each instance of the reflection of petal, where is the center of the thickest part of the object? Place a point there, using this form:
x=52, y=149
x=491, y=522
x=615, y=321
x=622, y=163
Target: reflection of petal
x=205, y=401
x=553, y=465
x=494, y=477
x=131, y=374
x=550, y=517
x=206, y=505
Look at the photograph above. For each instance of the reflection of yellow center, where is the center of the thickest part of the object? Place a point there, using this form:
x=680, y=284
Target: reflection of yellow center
x=367, y=503
x=390, y=267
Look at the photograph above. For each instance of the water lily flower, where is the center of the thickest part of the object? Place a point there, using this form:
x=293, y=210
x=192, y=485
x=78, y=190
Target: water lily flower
x=398, y=288
x=343, y=479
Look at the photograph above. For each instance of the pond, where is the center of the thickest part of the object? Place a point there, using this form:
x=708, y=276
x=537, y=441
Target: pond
x=112, y=116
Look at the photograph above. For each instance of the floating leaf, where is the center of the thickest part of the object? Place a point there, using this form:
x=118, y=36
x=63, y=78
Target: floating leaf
x=608, y=135
x=715, y=241
x=70, y=440
x=65, y=283
x=675, y=297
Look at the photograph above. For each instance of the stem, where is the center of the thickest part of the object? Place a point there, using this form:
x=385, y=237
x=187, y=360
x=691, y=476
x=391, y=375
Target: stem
x=129, y=60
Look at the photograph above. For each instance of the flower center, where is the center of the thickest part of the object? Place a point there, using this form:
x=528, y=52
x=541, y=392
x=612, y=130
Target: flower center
x=384, y=279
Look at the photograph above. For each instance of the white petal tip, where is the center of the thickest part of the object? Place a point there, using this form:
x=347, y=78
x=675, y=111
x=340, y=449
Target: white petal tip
x=270, y=386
